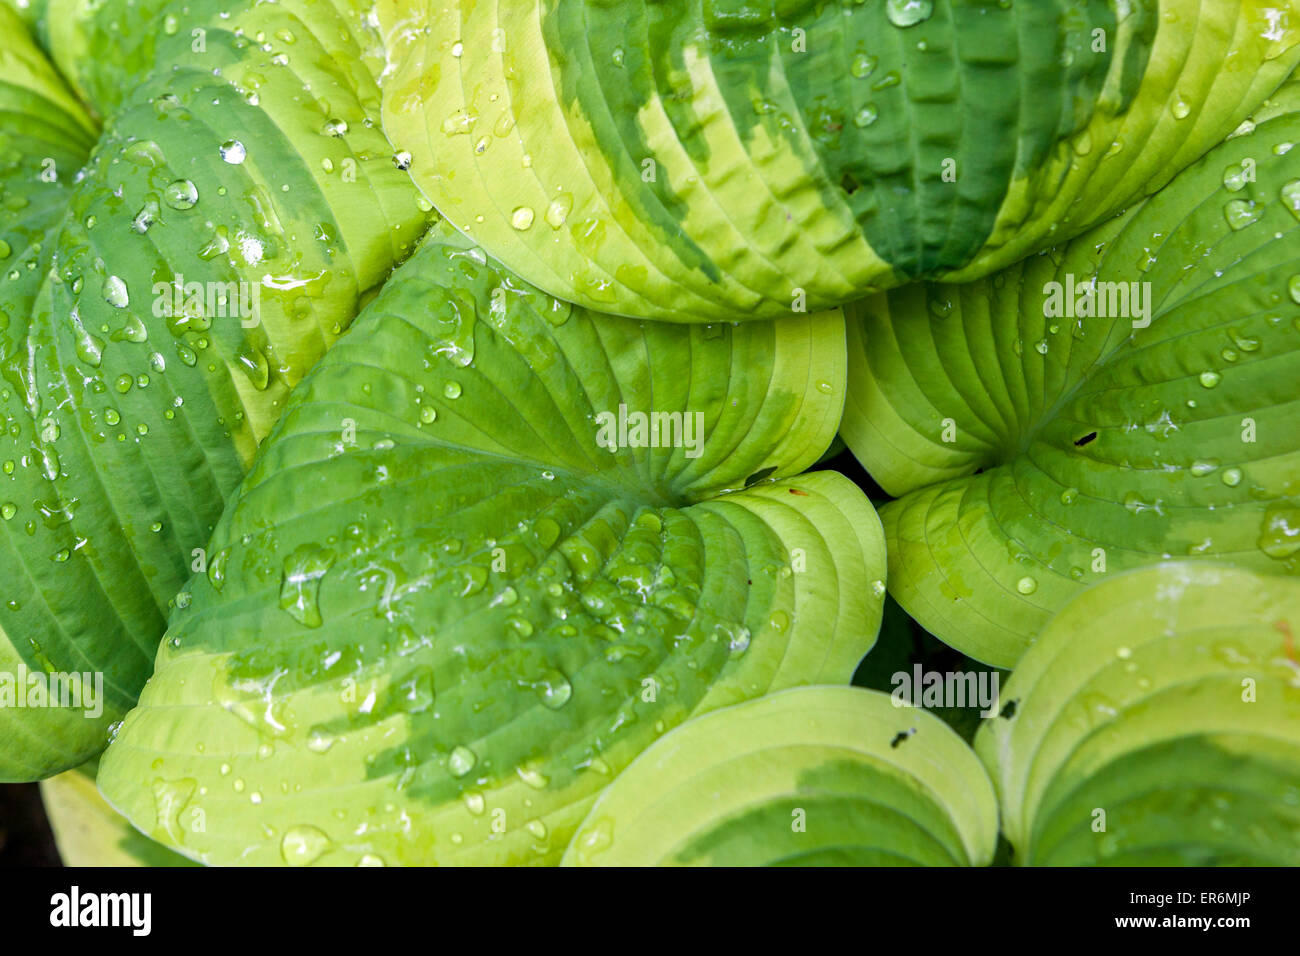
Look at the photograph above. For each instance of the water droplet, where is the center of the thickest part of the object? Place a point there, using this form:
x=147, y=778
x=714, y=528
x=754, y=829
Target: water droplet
x=522, y=218
x=1293, y=287
x=300, y=585
x=302, y=845
x=558, y=210
x=1210, y=379
x=1279, y=537
x=1026, y=585
x=461, y=761
x=1291, y=197
x=1234, y=178
x=402, y=159
x=334, y=127
x=253, y=363
x=233, y=152
x=217, y=569
x=863, y=65
x=908, y=13
x=115, y=293
x=1180, y=109
x=1240, y=213
x=146, y=217
x=428, y=415
x=554, y=689
x=533, y=777
x=1204, y=466
x=1231, y=477
x=865, y=116
x=181, y=194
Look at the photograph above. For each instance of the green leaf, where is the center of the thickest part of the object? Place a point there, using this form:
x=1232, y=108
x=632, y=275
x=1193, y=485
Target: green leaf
x=712, y=161
x=159, y=303
x=443, y=615
x=88, y=832
x=805, y=777
x=1036, y=453
x=1156, y=723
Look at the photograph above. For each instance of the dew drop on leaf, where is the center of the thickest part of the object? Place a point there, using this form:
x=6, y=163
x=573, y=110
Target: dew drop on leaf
x=908, y=13
x=303, y=845
x=461, y=761
x=233, y=152
x=181, y=194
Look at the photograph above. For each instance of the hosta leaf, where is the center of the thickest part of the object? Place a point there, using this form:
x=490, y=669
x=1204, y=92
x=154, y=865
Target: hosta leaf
x=706, y=161
x=442, y=615
x=89, y=832
x=1036, y=453
x=1156, y=722
x=155, y=310
x=805, y=777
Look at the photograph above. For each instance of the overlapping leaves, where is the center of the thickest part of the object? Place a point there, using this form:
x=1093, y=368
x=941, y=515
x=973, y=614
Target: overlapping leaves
x=706, y=161
x=159, y=296
x=1126, y=398
x=807, y=777
x=1156, y=722
x=447, y=607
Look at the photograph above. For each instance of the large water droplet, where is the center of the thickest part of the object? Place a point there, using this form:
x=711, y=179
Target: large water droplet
x=558, y=210
x=181, y=194
x=461, y=761
x=233, y=152
x=1291, y=197
x=115, y=292
x=522, y=218
x=300, y=586
x=863, y=65
x=554, y=689
x=1279, y=537
x=908, y=13
x=302, y=845
x=1240, y=213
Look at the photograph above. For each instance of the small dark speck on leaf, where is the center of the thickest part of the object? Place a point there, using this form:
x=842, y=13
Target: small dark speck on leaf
x=1080, y=442
x=796, y=491
x=1009, y=710
x=901, y=736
